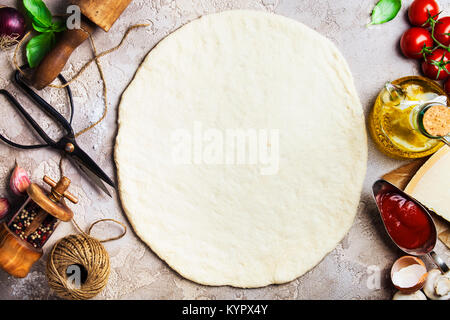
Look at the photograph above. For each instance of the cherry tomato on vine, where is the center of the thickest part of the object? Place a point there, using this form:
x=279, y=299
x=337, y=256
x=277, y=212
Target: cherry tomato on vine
x=437, y=65
x=442, y=31
x=421, y=10
x=415, y=42
x=447, y=86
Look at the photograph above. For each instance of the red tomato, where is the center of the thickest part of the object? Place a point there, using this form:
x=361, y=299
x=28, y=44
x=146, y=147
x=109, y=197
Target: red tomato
x=414, y=40
x=437, y=65
x=442, y=31
x=447, y=86
x=421, y=10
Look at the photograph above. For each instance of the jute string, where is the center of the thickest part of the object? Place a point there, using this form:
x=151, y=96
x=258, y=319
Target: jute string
x=86, y=255
x=83, y=69
x=83, y=253
x=81, y=250
x=61, y=170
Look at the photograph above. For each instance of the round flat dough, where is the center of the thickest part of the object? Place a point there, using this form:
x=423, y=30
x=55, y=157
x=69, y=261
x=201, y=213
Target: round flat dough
x=246, y=222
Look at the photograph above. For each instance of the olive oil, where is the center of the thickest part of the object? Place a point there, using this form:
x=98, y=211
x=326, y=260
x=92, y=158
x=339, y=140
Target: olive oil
x=392, y=123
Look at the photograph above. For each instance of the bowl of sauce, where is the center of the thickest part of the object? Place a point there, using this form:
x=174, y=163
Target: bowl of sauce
x=406, y=222
x=405, y=219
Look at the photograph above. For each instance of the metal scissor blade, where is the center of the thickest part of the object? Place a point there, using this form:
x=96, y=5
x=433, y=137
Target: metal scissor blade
x=86, y=164
x=90, y=164
x=98, y=182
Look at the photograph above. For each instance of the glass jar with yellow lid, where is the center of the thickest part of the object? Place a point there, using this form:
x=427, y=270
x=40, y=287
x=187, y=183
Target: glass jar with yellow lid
x=403, y=112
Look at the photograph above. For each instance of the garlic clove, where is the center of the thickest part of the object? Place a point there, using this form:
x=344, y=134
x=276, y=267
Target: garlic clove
x=418, y=295
x=436, y=285
x=442, y=286
x=4, y=207
x=19, y=181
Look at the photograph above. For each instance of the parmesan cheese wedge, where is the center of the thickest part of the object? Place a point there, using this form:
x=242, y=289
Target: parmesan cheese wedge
x=431, y=184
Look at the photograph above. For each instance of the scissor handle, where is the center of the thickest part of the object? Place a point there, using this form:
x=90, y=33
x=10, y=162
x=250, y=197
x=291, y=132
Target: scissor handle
x=45, y=105
x=30, y=119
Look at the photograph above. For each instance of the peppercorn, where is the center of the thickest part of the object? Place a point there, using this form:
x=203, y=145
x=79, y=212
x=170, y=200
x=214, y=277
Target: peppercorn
x=23, y=220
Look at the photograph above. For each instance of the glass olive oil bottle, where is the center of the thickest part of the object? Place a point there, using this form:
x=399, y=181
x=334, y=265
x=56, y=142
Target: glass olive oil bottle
x=392, y=121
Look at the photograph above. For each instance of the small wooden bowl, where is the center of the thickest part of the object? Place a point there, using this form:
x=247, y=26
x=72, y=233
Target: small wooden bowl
x=406, y=261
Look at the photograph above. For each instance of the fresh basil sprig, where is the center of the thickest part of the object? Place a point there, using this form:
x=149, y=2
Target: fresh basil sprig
x=385, y=10
x=38, y=47
x=43, y=22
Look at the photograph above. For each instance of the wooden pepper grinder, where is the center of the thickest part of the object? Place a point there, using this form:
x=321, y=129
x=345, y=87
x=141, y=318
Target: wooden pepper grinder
x=102, y=13
x=22, y=239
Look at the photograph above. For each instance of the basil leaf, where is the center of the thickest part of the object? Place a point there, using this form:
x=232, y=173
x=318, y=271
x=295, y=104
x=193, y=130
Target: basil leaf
x=385, y=10
x=38, y=12
x=41, y=29
x=59, y=26
x=38, y=47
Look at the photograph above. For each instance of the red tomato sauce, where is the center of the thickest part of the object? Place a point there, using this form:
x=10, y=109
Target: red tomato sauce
x=406, y=222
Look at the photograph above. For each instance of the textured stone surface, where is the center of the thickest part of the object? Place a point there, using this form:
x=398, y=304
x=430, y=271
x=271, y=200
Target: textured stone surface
x=137, y=273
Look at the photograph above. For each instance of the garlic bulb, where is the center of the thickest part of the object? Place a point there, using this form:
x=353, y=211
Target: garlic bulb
x=4, y=207
x=19, y=181
x=418, y=295
x=437, y=286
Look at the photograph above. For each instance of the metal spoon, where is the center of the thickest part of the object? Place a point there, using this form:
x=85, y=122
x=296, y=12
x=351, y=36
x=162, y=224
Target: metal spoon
x=382, y=186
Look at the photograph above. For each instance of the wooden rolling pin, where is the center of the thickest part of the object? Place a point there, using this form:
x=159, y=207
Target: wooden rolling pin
x=101, y=13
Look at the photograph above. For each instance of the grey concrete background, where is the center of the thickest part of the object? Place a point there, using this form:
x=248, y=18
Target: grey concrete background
x=137, y=273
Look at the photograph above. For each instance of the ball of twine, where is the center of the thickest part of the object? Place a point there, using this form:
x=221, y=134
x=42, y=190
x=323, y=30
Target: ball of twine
x=89, y=255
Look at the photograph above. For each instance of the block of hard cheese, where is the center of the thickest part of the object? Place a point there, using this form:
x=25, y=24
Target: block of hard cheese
x=431, y=184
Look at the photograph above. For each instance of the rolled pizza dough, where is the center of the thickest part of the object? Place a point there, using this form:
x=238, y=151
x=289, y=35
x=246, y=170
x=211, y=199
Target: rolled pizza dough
x=265, y=212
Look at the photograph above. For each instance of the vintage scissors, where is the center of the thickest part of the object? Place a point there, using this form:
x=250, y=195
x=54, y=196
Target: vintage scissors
x=67, y=144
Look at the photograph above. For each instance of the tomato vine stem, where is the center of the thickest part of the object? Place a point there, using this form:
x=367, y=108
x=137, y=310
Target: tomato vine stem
x=432, y=20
